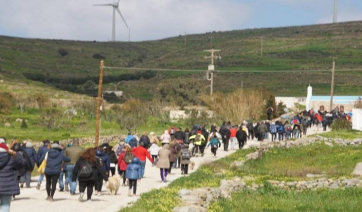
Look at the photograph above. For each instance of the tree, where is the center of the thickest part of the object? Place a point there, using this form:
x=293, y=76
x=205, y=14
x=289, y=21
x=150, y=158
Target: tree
x=237, y=106
x=133, y=114
x=50, y=116
x=181, y=91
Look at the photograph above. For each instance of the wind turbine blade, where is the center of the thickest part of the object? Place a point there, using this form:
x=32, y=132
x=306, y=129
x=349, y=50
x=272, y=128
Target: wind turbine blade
x=102, y=5
x=119, y=12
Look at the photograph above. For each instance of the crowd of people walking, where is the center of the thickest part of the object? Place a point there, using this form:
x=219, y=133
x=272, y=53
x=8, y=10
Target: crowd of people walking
x=90, y=167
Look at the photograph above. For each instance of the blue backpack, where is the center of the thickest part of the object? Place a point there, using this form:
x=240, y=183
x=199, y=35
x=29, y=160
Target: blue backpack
x=280, y=128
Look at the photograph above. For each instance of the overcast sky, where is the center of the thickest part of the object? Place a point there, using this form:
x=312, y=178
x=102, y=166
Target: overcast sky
x=157, y=19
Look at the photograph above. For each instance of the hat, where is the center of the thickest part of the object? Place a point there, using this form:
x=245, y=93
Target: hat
x=28, y=144
x=55, y=146
x=152, y=133
x=2, y=141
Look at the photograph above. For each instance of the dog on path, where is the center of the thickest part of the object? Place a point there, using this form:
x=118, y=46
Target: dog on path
x=192, y=165
x=113, y=184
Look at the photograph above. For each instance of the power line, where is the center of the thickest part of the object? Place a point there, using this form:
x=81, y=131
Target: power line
x=230, y=71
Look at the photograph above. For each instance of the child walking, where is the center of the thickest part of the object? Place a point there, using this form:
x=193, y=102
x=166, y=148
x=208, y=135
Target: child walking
x=185, y=159
x=133, y=174
x=215, y=144
x=154, y=152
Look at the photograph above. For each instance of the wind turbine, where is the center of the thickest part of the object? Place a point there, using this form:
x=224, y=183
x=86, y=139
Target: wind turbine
x=115, y=6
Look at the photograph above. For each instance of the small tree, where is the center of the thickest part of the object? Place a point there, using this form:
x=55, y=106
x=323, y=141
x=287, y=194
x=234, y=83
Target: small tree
x=23, y=124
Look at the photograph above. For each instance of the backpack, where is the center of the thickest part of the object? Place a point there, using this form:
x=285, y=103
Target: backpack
x=86, y=170
x=289, y=128
x=250, y=127
x=185, y=154
x=128, y=157
x=214, y=142
x=280, y=128
x=273, y=128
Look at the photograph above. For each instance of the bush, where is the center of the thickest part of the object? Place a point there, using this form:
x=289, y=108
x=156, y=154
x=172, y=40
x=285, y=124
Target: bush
x=341, y=124
x=63, y=52
x=23, y=124
x=5, y=103
x=98, y=56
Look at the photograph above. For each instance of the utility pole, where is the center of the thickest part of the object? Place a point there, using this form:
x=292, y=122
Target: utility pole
x=335, y=12
x=99, y=102
x=332, y=85
x=261, y=47
x=185, y=40
x=211, y=68
x=129, y=35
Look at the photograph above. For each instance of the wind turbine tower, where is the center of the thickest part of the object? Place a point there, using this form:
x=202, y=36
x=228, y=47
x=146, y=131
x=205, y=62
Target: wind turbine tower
x=335, y=12
x=115, y=6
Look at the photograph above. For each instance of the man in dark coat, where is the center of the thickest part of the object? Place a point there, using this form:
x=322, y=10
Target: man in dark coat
x=225, y=135
x=241, y=137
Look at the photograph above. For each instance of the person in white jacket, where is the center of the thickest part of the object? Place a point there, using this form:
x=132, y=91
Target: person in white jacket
x=154, y=152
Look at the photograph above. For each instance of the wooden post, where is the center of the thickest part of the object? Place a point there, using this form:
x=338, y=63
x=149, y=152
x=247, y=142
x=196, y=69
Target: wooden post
x=332, y=87
x=211, y=83
x=99, y=102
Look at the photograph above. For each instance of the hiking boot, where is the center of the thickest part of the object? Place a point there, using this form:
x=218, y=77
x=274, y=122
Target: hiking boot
x=38, y=186
x=51, y=199
x=21, y=185
x=130, y=192
x=80, y=199
x=61, y=190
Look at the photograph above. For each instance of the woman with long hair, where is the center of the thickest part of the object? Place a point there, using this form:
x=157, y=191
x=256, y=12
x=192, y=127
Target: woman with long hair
x=87, y=179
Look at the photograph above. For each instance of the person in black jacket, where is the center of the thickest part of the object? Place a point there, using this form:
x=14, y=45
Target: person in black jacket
x=88, y=156
x=31, y=153
x=241, y=137
x=9, y=185
x=225, y=135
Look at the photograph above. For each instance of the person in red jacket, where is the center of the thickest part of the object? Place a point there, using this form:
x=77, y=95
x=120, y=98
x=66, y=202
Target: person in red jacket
x=233, y=139
x=141, y=153
x=122, y=165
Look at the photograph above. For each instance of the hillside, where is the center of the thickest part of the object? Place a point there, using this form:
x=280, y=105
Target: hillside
x=307, y=49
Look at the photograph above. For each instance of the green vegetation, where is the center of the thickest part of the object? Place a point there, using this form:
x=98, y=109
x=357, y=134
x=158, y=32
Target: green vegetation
x=277, y=164
x=271, y=199
x=295, y=163
x=293, y=57
x=344, y=134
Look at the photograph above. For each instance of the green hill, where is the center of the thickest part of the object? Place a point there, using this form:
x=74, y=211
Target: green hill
x=293, y=57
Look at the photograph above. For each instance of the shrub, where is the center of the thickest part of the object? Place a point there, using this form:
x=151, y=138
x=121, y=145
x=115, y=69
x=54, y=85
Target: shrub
x=23, y=124
x=5, y=103
x=99, y=56
x=341, y=124
x=63, y=52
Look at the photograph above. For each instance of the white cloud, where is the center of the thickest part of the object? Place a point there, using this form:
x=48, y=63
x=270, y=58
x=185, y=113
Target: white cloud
x=148, y=19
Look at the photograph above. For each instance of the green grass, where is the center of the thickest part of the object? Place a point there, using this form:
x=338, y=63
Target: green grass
x=278, y=164
x=344, y=134
x=294, y=163
x=271, y=199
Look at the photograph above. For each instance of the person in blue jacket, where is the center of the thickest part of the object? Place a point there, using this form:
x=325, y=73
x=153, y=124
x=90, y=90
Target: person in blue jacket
x=55, y=158
x=104, y=162
x=41, y=153
x=30, y=151
x=133, y=174
x=10, y=161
